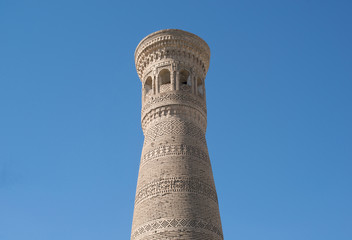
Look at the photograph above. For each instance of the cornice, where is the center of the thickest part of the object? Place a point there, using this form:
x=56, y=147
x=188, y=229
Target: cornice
x=171, y=42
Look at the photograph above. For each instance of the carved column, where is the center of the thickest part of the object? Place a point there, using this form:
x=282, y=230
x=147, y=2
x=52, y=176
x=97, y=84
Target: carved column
x=191, y=79
x=194, y=82
x=177, y=79
x=172, y=77
x=153, y=85
x=157, y=84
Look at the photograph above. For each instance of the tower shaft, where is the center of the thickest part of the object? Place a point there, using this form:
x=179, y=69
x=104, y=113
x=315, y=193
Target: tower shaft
x=175, y=196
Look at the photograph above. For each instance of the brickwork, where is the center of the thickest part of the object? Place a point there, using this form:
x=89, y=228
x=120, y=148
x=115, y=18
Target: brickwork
x=176, y=196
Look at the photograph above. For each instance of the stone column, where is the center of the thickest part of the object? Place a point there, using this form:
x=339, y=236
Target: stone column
x=157, y=84
x=153, y=85
x=177, y=79
x=172, y=78
x=194, y=81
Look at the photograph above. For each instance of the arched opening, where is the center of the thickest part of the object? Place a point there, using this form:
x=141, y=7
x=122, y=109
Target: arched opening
x=148, y=85
x=164, y=77
x=200, y=90
x=185, y=78
x=164, y=80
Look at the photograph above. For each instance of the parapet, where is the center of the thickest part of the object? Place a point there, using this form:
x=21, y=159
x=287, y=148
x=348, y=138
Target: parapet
x=172, y=46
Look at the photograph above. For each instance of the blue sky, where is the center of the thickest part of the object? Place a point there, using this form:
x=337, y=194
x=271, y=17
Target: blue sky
x=279, y=115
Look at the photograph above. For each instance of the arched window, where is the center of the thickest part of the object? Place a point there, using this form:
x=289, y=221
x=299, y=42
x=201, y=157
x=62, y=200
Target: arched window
x=200, y=87
x=148, y=85
x=164, y=77
x=185, y=78
x=164, y=80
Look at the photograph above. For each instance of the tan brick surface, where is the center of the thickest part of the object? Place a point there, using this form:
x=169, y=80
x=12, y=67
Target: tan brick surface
x=175, y=196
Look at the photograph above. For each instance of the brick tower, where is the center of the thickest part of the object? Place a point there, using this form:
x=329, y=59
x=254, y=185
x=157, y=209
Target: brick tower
x=176, y=196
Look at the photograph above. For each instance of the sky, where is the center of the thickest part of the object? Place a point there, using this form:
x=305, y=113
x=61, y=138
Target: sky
x=279, y=115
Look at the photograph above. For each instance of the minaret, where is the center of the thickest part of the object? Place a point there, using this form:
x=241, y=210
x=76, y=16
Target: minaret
x=176, y=196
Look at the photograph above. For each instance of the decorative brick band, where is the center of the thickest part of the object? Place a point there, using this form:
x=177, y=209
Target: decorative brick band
x=187, y=113
x=176, y=223
x=175, y=150
x=169, y=185
x=174, y=127
x=184, y=235
x=175, y=98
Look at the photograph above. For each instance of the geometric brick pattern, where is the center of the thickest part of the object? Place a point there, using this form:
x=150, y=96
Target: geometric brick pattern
x=175, y=150
x=180, y=223
x=186, y=112
x=185, y=98
x=175, y=185
x=165, y=88
x=174, y=127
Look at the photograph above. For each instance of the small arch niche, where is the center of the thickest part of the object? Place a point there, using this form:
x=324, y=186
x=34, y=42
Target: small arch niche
x=164, y=77
x=185, y=78
x=148, y=85
x=200, y=90
x=164, y=80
